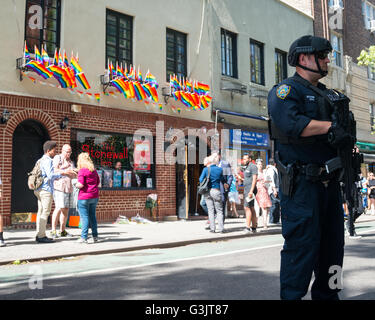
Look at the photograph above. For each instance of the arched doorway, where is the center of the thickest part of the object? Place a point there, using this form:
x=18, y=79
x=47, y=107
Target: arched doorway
x=28, y=140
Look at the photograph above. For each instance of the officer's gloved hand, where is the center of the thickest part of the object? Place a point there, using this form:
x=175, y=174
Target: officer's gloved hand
x=338, y=137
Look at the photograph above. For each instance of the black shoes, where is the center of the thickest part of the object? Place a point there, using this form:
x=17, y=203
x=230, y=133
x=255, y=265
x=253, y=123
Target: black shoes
x=44, y=240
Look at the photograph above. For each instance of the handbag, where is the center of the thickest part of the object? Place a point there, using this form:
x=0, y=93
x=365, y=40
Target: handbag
x=203, y=187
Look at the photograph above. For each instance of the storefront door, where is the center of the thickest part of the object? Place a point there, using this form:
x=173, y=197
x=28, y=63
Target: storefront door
x=187, y=179
x=28, y=140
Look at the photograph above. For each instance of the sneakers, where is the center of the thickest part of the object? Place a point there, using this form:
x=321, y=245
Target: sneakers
x=254, y=230
x=53, y=234
x=81, y=240
x=2, y=243
x=355, y=236
x=246, y=231
x=44, y=240
x=65, y=234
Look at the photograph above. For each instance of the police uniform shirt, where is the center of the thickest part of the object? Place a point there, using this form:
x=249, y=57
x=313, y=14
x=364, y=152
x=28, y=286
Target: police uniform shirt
x=291, y=107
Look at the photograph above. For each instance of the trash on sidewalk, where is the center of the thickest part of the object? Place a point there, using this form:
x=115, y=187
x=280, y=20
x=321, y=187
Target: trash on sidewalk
x=133, y=220
x=140, y=220
x=122, y=220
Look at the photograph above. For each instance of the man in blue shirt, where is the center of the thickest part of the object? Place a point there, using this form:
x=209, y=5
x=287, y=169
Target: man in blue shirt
x=213, y=197
x=45, y=192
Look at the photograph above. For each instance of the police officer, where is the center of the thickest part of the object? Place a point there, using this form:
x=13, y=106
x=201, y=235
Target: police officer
x=310, y=199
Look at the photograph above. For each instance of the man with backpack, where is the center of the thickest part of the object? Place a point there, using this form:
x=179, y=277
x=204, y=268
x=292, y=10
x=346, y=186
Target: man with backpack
x=44, y=193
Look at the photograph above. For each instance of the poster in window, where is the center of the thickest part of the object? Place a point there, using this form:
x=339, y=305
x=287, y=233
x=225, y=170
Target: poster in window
x=117, y=178
x=127, y=179
x=142, y=156
x=149, y=183
x=107, y=179
x=100, y=174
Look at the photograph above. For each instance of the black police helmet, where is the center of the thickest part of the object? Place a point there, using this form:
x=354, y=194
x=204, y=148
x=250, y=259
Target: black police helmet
x=307, y=44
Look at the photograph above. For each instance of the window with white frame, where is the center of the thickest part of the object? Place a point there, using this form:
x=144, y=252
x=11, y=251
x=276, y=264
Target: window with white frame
x=368, y=12
x=336, y=41
x=335, y=4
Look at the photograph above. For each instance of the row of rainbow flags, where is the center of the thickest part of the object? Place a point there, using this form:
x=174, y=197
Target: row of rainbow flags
x=193, y=94
x=130, y=83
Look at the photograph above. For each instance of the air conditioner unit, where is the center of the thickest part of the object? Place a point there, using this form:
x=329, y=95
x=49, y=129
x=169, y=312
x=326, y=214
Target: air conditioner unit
x=233, y=87
x=372, y=25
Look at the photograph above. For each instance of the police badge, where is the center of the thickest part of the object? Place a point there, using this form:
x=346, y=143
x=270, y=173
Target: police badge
x=283, y=91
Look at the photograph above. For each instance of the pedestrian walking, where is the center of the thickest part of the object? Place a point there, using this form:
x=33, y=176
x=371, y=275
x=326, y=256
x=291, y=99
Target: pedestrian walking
x=62, y=191
x=371, y=192
x=88, y=197
x=311, y=206
x=228, y=177
x=262, y=196
x=250, y=172
x=234, y=197
x=272, y=178
x=214, y=196
x=44, y=193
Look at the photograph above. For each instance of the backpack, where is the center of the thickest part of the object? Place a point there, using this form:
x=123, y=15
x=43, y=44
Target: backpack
x=35, y=179
x=203, y=187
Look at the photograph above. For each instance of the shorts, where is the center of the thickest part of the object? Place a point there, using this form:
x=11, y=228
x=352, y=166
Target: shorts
x=252, y=202
x=62, y=199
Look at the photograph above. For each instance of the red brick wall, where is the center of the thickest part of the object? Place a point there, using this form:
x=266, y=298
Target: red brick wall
x=50, y=113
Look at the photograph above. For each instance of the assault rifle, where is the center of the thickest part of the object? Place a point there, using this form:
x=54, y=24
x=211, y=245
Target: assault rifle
x=348, y=154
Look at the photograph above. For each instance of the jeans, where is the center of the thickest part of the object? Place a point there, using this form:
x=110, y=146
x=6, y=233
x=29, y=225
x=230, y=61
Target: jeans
x=87, y=213
x=275, y=209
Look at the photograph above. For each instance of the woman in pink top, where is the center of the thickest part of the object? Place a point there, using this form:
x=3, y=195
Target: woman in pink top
x=88, y=197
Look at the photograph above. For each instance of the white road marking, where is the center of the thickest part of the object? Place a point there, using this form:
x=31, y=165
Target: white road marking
x=85, y=273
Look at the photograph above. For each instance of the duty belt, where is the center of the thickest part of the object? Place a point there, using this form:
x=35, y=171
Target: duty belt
x=315, y=173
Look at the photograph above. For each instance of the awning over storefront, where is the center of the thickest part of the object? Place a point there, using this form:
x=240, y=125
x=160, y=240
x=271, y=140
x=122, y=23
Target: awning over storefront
x=366, y=146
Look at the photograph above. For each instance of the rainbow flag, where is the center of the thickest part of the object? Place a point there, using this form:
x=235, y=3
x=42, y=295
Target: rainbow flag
x=75, y=65
x=189, y=86
x=130, y=89
x=66, y=62
x=151, y=92
x=26, y=54
x=201, y=88
x=82, y=80
x=55, y=58
x=38, y=57
x=131, y=74
x=97, y=96
x=151, y=80
x=139, y=78
x=45, y=58
x=205, y=100
x=39, y=68
x=140, y=93
x=119, y=84
x=61, y=76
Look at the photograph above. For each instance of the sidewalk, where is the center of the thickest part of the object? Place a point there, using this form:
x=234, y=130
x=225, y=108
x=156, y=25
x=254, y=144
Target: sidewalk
x=21, y=243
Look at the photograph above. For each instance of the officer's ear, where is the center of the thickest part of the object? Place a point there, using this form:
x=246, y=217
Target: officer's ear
x=302, y=59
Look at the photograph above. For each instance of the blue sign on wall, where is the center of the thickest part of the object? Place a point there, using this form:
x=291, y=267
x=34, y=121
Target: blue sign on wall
x=241, y=137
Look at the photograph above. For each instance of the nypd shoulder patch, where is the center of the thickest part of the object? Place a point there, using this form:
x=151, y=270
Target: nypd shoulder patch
x=283, y=91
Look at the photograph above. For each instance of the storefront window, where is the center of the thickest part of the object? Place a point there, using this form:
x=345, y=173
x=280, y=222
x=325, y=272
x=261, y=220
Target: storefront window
x=122, y=161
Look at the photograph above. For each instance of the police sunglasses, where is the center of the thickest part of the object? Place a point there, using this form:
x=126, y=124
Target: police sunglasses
x=322, y=54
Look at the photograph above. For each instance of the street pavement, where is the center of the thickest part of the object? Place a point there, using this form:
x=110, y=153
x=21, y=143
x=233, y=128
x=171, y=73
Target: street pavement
x=21, y=246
